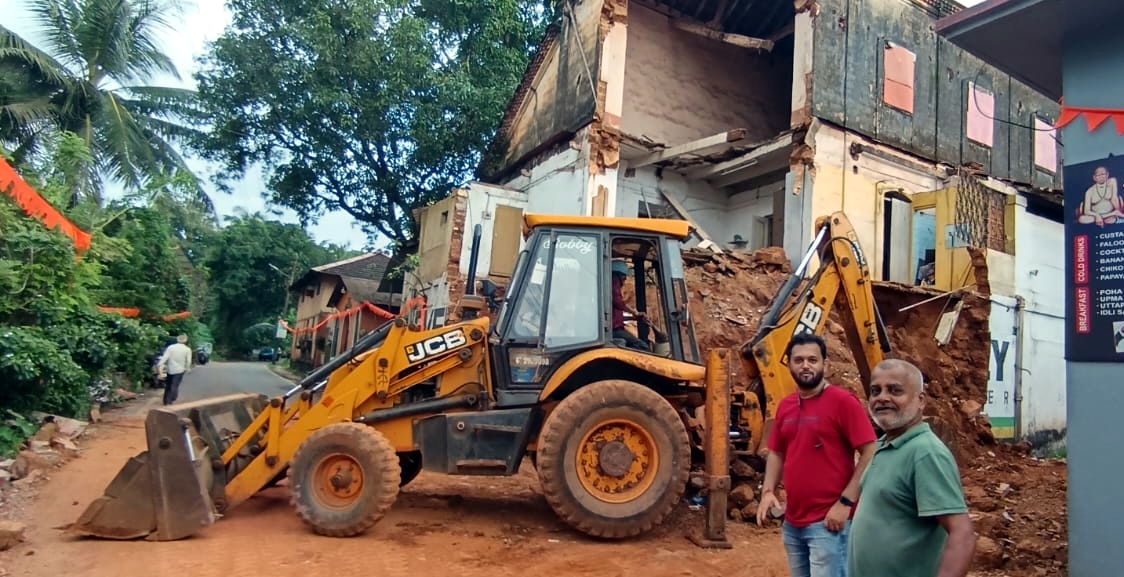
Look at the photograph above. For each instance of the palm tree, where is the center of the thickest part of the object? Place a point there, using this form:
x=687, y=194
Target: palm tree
x=91, y=79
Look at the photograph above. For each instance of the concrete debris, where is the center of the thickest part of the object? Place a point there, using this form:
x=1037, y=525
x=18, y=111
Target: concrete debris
x=989, y=555
x=125, y=395
x=55, y=425
x=30, y=479
x=970, y=408
x=11, y=534
x=64, y=446
x=28, y=461
x=741, y=496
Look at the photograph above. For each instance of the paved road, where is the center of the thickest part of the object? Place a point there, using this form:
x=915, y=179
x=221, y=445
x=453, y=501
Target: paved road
x=219, y=378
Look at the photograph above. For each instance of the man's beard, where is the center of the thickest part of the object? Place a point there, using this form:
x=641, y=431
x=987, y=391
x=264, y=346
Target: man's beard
x=809, y=384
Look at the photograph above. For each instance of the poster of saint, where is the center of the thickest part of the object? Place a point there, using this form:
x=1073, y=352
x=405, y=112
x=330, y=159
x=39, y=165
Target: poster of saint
x=1094, y=221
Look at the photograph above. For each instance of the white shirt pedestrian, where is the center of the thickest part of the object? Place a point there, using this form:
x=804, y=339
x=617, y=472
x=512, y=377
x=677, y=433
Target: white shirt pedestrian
x=176, y=358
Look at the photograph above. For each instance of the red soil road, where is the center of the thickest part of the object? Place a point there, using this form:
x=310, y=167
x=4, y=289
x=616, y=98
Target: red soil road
x=464, y=526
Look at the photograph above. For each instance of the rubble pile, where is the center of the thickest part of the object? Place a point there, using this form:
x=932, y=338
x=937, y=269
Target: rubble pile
x=1018, y=501
x=55, y=443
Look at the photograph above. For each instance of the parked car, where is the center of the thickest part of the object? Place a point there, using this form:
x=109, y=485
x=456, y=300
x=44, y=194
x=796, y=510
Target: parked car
x=268, y=354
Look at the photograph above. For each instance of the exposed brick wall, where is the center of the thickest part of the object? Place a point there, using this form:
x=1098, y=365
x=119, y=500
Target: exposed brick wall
x=996, y=214
x=456, y=243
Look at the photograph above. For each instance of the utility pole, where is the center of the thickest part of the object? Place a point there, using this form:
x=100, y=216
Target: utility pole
x=288, y=292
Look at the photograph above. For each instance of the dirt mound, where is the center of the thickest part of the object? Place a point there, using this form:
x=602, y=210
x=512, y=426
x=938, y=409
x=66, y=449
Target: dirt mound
x=731, y=292
x=1018, y=502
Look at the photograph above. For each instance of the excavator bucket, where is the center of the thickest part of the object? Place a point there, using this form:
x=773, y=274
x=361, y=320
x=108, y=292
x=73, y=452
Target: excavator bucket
x=175, y=488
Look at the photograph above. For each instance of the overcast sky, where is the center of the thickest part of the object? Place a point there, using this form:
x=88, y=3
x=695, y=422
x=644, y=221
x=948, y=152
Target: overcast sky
x=183, y=48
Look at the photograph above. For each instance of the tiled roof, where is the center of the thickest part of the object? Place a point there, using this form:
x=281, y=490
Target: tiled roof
x=371, y=267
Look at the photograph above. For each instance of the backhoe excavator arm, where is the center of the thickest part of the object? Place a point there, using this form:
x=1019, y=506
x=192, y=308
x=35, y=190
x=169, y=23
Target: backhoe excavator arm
x=804, y=303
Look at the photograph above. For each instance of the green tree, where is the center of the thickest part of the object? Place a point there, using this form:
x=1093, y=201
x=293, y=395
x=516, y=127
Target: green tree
x=246, y=290
x=90, y=78
x=375, y=107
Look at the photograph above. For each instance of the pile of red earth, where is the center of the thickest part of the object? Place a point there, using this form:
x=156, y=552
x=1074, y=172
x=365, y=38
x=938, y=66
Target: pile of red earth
x=1018, y=502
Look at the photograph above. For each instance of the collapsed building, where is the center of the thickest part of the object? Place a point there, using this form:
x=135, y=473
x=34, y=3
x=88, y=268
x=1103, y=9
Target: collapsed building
x=750, y=119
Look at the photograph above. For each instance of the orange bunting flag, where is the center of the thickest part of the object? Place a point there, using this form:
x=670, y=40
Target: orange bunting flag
x=38, y=208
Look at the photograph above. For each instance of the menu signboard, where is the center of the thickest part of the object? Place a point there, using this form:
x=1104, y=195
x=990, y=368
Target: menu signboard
x=1094, y=224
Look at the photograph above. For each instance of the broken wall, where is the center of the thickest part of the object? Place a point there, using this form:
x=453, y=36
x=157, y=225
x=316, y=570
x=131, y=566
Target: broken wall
x=858, y=184
x=680, y=87
x=445, y=246
x=869, y=52
x=719, y=216
x=555, y=181
x=556, y=97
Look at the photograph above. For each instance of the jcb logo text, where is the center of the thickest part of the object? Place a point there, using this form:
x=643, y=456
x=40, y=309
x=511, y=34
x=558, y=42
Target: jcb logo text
x=809, y=319
x=435, y=345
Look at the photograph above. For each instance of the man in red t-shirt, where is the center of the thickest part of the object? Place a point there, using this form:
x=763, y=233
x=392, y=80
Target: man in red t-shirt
x=816, y=432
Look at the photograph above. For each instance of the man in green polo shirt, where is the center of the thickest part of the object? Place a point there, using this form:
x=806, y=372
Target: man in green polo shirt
x=912, y=520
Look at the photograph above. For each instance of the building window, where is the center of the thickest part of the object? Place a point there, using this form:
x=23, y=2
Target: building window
x=897, y=82
x=1045, y=145
x=981, y=115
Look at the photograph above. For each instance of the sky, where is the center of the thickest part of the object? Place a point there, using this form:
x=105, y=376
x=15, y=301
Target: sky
x=188, y=43
x=183, y=47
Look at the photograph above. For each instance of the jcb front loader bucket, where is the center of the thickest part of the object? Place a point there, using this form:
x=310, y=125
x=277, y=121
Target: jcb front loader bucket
x=168, y=492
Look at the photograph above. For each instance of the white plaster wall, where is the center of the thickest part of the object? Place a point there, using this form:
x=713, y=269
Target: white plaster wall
x=1001, y=272
x=557, y=183
x=1003, y=373
x=744, y=208
x=1040, y=280
x=802, y=58
x=481, y=209
x=649, y=184
x=680, y=86
x=856, y=187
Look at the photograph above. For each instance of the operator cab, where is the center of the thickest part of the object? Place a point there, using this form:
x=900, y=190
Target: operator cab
x=559, y=302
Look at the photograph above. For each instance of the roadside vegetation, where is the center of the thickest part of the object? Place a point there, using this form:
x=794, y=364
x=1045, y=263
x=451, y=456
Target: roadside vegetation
x=376, y=125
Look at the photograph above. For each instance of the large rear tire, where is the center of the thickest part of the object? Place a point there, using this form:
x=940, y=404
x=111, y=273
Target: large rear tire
x=344, y=479
x=613, y=459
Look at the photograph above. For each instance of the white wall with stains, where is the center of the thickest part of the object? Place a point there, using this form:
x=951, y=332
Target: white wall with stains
x=1040, y=280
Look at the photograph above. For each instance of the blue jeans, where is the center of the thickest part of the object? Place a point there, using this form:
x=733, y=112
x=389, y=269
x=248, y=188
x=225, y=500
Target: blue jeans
x=813, y=551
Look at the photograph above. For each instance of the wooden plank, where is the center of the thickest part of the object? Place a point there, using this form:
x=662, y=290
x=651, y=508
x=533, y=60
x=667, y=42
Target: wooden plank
x=861, y=92
x=829, y=60
x=1001, y=148
x=689, y=147
x=734, y=39
x=925, y=93
x=950, y=102
x=892, y=126
x=1021, y=152
x=506, y=231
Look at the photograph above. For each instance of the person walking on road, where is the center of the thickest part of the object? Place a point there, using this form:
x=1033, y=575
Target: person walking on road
x=177, y=361
x=912, y=519
x=812, y=448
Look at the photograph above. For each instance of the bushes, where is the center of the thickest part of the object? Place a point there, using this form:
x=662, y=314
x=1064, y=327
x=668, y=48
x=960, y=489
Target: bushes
x=39, y=375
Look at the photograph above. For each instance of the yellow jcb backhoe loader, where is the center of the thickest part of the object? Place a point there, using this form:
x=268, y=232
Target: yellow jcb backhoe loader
x=603, y=423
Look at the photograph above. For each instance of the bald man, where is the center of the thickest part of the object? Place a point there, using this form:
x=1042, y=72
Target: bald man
x=912, y=518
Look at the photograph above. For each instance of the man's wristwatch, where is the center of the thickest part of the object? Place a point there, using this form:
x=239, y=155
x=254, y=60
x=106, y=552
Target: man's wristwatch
x=846, y=501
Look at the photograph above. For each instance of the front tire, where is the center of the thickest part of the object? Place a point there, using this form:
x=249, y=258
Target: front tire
x=613, y=459
x=344, y=478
